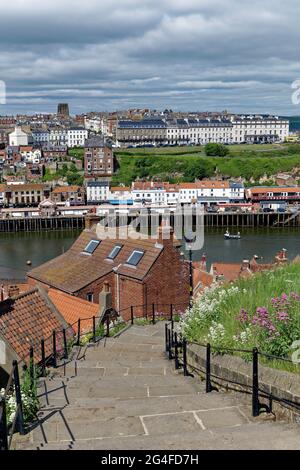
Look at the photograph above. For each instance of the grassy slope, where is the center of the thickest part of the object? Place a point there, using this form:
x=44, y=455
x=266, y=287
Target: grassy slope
x=256, y=291
x=187, y=163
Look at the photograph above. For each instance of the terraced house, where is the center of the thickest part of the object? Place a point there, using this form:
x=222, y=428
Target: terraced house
x=26, y=194
x=137, y=271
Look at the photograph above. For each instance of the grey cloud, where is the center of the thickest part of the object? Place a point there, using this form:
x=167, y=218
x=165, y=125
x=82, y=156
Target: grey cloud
x=160, y=53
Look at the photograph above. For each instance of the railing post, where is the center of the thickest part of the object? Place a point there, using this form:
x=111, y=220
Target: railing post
x=94, y=329
x=54, y=348
x=3, y=425
x=171, y=312
x=153, y=314
x=255, y=396
x=166, y=337
x=107, y=325
x=20, y=419
x=176, y=352
x=170, y=343
x=66, y=354
x=43, y=357
x=78, y=332
x=184, y=354
x=31, y=367
x=208, y=387
x=131, y=315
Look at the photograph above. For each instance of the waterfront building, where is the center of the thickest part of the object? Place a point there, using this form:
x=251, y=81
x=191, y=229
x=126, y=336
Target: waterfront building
x=97, y=192
x=26, y=194
x=288, y=194
x=2, y=194
x=68, y=195
x=204, y=192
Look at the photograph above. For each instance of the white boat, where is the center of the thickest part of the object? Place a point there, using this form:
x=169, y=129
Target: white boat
x=229, y=236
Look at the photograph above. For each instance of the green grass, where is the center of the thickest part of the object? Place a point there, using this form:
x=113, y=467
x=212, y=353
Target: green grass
x=176, y=168
x=222, y=307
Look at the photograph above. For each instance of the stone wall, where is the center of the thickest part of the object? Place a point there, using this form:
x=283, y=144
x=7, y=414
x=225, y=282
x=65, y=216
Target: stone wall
x=235, y=374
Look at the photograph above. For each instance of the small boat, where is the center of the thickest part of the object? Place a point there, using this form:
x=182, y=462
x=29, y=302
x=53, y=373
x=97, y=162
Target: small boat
x=229, y=236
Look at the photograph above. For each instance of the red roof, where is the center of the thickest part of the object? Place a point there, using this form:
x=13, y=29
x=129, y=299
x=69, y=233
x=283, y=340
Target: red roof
x=73, y=308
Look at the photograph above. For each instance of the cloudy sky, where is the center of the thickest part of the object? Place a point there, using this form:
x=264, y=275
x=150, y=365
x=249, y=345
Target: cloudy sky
x=181, y=54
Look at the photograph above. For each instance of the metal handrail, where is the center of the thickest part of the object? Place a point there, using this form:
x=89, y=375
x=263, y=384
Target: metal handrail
x=254, y=387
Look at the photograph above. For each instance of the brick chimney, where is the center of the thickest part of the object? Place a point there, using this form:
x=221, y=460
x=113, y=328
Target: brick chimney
x=245, y=265
x=13, y=291
x=203, y=262
x=91, y=220
x=165, y=233
x=1, y=293
x=281, y=257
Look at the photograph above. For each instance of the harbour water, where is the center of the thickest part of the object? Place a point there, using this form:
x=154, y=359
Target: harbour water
x=18, y=248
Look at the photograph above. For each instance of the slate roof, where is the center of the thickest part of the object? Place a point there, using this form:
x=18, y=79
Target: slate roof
x=75, y=269
x=26, y=319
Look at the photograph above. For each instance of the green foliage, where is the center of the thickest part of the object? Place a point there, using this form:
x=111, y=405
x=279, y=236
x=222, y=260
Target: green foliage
x=177, y=164
x=216, y=150
x=261, y=311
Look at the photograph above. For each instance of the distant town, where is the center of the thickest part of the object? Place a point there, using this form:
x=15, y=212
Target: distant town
x=56, y=164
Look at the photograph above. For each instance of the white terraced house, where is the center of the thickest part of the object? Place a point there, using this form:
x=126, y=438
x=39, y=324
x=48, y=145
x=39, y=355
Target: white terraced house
x=195, y=131
x=205, y=192
x=77, y=137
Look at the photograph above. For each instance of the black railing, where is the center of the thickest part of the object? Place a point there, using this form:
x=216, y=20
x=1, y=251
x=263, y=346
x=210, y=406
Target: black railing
x=8, y=429
x=177, y=349
x=54, y=350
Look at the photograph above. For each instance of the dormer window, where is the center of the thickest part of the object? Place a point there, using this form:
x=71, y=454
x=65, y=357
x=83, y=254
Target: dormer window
x=135, y=257
x=91, y=246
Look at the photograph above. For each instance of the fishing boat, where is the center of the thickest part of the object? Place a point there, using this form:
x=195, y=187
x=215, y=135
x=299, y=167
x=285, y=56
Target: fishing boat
x=229, y=236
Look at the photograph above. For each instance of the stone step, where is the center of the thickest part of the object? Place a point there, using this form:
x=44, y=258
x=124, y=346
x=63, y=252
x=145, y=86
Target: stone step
x=90, y=369
x=254, y=436
x=99, y=426
x=106, y=407
x=115, y=389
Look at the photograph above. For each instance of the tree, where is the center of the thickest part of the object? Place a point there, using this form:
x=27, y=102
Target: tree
x=216, y=150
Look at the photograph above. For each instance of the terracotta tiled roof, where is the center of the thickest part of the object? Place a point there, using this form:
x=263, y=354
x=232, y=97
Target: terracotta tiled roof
x=119, y=188
x=2, y=188
x=66, y=189
x=230, y=271
x=76, y=269
x=275, y=190
x=26, y=319
x=27, y=187
x=72, y=308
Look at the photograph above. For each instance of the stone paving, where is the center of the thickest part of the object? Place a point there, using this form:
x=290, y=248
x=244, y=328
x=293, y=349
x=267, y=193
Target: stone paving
x=124, y=394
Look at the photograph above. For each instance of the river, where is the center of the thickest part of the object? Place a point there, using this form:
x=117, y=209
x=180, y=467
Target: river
x=18, y=248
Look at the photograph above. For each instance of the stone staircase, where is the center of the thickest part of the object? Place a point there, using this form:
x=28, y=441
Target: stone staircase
x=123, y=393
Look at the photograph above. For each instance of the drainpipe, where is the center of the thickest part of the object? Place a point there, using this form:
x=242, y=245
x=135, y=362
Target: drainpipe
x=118, y=286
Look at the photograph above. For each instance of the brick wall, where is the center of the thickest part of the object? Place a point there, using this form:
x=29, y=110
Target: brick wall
x=168, y=280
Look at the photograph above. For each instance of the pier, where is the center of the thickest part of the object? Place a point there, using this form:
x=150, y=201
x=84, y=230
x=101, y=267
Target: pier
x=215, y=220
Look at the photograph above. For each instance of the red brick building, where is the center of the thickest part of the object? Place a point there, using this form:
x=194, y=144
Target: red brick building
x=138, y=271
x=98, y=158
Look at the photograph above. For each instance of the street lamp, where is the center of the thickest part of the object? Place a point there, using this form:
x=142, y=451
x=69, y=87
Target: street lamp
x=189, y=239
